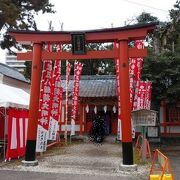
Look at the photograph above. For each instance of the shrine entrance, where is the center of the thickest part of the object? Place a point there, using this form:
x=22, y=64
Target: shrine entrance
x=121, y=36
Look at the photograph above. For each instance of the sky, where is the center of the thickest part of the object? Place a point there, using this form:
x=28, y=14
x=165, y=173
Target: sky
x=96, y=14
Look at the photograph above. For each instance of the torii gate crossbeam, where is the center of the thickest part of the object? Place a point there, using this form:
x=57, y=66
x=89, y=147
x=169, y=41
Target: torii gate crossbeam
x=120, y=35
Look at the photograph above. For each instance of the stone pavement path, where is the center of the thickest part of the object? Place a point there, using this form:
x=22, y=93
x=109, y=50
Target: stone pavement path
x=84, y=158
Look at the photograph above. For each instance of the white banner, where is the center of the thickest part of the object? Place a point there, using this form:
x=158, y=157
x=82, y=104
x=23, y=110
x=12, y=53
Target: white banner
x=41, y=142
x=119, y=131
x=72, y=127
x=53, y=128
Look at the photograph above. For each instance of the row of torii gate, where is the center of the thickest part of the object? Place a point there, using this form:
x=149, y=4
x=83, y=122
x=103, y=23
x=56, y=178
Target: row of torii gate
x=78, y=39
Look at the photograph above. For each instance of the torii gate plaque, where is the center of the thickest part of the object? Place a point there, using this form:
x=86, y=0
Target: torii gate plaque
x=121, y=35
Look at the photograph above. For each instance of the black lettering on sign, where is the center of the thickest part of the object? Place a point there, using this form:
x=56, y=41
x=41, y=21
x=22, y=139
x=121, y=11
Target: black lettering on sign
x=78, y=44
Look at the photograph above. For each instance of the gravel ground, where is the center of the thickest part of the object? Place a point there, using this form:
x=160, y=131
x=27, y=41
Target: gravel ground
x=83, y=158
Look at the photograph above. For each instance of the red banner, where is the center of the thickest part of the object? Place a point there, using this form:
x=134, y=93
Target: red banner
x=45, y=95
x=17, y=133
x=139, y=44
x=44, y=106
x=135, y=67
x=143, y=95
x=117, y=62
x=77, y=75
x=68, y=71
x=147, y=103
x=56, y=99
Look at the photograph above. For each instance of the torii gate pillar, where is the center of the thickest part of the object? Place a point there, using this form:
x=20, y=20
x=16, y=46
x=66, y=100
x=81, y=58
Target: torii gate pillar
x=127, y=147
x=30, y=156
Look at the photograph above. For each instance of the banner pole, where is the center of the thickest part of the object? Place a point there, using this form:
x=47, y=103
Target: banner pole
x=66, y=114
x=5, y=128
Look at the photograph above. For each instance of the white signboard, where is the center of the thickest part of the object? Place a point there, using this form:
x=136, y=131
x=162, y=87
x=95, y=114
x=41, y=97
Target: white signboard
x=152, y=131
x=144, y=117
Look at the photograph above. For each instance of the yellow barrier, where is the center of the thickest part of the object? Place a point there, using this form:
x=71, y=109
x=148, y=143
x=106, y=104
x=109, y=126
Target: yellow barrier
x=160, y=168
x=158, y=177
x=154, y=177
x=167, y=177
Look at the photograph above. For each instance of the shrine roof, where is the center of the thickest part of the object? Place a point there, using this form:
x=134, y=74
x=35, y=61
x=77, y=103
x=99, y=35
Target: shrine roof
x=12, y=73
x=95, y=86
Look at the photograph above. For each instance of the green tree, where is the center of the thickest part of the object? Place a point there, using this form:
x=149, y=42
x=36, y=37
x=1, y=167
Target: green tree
x=100, y=66
x=145, y=17
x=163, y=70
x=162, y=66
x=93, y=66
x=27, y=71
x=19, y=14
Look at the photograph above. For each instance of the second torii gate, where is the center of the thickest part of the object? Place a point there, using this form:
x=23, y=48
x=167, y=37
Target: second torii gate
x=120, y=35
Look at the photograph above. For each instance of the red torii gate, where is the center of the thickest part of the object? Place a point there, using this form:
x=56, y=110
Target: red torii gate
x=121, y=35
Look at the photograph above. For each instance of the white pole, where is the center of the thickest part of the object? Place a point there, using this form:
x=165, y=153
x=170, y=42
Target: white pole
x=73, y=120
x=144, y=143
x=5, y=124
x=66, y=114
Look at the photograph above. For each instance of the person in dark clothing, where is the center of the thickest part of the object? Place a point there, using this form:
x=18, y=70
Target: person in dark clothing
x=98, y=130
